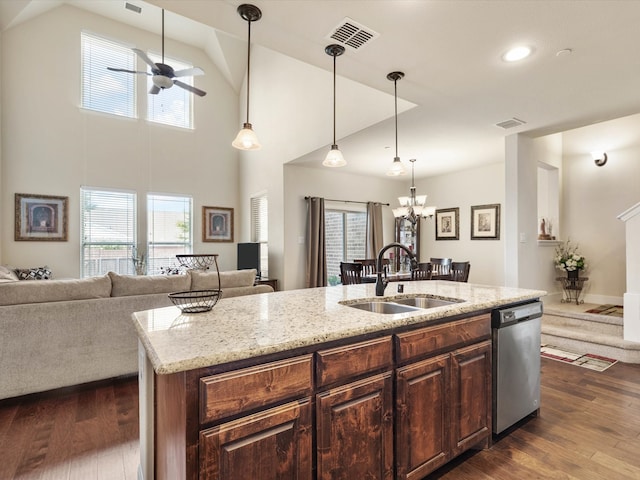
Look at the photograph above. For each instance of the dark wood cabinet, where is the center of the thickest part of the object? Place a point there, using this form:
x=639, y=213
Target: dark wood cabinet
x=355, y=430
x=471, y=395
x=398, y=405
x=271, y=445
x=422, y=422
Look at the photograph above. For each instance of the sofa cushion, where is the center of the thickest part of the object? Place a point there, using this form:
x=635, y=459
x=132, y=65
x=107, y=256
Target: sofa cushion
x=35, y=273
x=228, y=279
x=125, y=285
x=8, y=274
x=17, y=293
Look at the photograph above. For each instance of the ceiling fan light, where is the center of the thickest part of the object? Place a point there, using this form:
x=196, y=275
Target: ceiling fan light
x=161, y=81
x=397, y=168
x=246, y=139
x=334, y=158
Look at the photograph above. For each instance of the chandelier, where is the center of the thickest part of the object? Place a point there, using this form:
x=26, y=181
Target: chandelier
x=412, y=208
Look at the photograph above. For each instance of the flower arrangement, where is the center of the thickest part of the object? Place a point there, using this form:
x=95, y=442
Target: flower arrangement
x=567, y=257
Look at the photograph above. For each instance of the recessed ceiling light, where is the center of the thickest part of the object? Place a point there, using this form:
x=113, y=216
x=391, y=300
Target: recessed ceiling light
x=517, y=53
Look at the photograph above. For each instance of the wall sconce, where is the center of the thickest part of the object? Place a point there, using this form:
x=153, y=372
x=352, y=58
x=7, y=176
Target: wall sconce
x=599, y=157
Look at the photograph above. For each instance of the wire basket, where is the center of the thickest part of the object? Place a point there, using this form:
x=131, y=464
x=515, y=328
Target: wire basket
x=195, y=301
x=198, y=261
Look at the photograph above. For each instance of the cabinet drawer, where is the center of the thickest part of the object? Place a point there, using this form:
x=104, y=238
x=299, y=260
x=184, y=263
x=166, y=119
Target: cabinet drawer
x=343, y=363
x=425, y=341
x=250, y=388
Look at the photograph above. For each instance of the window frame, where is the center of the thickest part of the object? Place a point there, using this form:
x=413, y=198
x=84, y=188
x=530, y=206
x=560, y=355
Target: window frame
x=166, y=263
x=129, y=197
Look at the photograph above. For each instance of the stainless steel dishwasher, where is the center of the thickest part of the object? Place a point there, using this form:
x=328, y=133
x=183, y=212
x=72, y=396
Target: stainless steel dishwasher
x=516, y=363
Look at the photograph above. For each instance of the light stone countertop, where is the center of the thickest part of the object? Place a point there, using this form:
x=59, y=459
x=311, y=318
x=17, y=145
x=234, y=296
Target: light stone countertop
x=249, y=326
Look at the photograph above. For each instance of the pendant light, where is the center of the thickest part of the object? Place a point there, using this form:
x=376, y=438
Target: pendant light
x=246, y=138
x=334, y=158
x=413, y=207
x=397, y=168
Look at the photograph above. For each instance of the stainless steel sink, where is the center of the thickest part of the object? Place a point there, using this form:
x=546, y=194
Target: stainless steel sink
x=383, y=307
x=424, y=302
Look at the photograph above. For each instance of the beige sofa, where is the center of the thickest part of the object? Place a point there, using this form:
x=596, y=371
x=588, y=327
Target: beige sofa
x=58, y=333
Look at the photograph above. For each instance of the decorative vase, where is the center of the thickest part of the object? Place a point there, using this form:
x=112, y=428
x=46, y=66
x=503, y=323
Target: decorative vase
x=573, y=274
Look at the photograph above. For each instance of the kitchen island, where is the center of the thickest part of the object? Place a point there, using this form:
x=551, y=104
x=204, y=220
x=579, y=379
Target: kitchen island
x=299, y=384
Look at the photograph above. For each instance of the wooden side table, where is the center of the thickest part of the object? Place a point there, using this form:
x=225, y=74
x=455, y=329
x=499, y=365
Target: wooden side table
x=272, y=282
x=572, y=288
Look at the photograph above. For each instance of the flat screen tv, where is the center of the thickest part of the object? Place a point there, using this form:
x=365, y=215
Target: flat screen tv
x=249, y=256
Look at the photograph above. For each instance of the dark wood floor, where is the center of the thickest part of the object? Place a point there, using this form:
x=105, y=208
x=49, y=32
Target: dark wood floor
x=588, y=428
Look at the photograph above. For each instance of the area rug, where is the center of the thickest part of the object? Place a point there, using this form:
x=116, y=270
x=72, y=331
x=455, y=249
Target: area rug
x=607, y=309
x=586, y=360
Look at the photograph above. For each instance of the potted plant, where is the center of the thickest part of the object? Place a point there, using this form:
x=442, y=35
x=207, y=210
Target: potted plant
x=568, y=259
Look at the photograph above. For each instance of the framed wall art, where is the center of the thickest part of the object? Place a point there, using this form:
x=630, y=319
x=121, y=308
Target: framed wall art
x=41, y=217
x=485, y=222
x=217, y=224
x=448, y=224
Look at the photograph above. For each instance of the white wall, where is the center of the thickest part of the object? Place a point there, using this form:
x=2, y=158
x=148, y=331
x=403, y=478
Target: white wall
x=51, y=146
x=593, y=197
x=464, y=189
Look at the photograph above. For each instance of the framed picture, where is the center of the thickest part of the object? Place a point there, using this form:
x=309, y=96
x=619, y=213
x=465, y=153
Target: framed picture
x=485, y=222
x=41, y=217
x=448, y=224
x=217, y=224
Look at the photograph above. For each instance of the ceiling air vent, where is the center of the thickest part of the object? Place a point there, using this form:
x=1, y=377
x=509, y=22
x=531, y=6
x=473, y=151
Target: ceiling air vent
x=352, y=34
x=132, y=7
x=512, y=122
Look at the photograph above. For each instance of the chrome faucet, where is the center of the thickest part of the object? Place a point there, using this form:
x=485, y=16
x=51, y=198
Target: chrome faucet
x=381, y=283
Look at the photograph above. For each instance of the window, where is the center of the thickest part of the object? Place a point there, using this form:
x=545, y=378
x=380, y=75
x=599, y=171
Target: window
x=260, y=229
x=345, y=239
x=169, y=230
x=108, y=220
x=104, y=90
x=172, y=106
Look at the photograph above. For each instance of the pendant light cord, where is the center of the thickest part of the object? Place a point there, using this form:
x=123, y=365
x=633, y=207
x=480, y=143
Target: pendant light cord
x=248, y=66
x=395, y=94
x=334, y=99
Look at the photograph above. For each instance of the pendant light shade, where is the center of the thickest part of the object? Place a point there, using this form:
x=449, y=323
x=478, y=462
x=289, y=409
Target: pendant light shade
x=397, y=168
x=246, y=138
x=334, y=158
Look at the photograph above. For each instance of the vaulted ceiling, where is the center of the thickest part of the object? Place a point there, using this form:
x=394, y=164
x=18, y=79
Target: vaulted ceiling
x=585, y=66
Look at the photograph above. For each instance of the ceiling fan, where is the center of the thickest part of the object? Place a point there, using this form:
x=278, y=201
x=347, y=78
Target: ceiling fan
x=163, y=75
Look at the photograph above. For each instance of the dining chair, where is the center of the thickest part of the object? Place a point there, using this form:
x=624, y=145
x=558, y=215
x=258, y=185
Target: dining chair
x=368, y=265
x=350, y=273
x=423, y=272
x=441, y=268
x=460, y=271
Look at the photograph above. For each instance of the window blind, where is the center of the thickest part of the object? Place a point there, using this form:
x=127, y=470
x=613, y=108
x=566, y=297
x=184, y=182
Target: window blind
x=104, y=90
x=108, y=231
x=169, y=230
x=260, y=229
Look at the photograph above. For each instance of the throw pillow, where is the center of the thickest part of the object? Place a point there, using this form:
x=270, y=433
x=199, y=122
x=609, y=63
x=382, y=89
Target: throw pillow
x=36, y=273
x=7, y=274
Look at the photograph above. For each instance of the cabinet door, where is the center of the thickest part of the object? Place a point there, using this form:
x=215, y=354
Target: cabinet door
x=471, y=396
x=355, y=430
x=270, y=445
x=422, y=406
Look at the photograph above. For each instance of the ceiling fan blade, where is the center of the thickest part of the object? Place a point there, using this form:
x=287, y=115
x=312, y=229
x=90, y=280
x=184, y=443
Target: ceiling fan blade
x=154, y=90
x=195, y=90
x=127, y=71
x=144, y=57
x=189, y=72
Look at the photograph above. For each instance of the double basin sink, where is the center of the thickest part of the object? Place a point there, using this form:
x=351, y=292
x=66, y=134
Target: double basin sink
x=402, y=305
